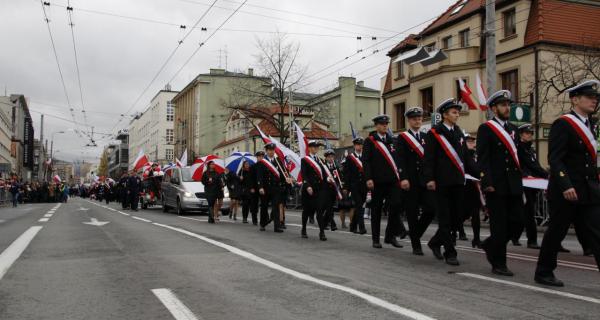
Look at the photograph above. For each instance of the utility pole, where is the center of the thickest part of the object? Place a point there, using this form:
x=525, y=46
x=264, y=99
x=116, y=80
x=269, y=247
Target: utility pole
x=490, y=49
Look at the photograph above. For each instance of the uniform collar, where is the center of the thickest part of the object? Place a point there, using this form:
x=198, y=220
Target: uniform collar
x=501, y=122
x=581, y=117
x=450, y=128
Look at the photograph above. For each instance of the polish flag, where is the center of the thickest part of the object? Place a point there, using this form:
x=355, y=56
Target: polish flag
x=465, y=93
x=183, y=162
x=302, y=142
x=289, y=157
x=480, y=93
x=140, y=161
x=56, y=179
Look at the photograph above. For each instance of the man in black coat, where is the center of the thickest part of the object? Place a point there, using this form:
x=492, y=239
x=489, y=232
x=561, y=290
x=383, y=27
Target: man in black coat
x=124, y=197
x=134, y=184
x=355, y=184
x=270, y=179
x=501, y=180
x=314, y=180
x=253, y=196
x=444, y=167
x=574, y=187
x=386, y=179
x=411, y=152
x=531, y=168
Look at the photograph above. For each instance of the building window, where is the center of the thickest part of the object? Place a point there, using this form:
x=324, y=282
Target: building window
x=169, y=154
x=427, y=100
x=510, y=82
x=510, y=22
x=169, y=136
x=400, y=108
x=447, y=42
x=400, y=69
x=458, y=7
x=430, y=47
x=464, y=38
x=170, y=111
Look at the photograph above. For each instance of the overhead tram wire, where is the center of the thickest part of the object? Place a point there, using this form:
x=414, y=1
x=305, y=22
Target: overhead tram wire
x=179, y=43
x=62, y=78
x=69, y=13
x=206, y=40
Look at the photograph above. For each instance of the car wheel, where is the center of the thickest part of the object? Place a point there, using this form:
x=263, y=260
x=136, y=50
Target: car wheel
x=180, y=210
x=164, y=205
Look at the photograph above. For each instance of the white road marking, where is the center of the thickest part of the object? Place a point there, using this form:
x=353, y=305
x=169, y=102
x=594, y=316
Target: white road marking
x=534, y=288
x=205, y=220
x=50, y=211
x=367, y=297
x=123, y=213
x=14, y=251
x=48, y=215
x=179, y=310
x=141, y=219
x=43, y=220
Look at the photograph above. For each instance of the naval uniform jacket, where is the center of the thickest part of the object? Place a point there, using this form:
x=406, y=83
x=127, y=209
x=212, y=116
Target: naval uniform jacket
x=411, y=160
x=375, y=165
x=354, y=177
x=266, y=179
x=436, y=164
x=310, y=176
x=571, y=164
x=530, y=166
x=498, y=168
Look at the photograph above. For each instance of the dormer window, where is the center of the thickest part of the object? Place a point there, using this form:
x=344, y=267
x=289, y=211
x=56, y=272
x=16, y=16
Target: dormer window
x=458, y=7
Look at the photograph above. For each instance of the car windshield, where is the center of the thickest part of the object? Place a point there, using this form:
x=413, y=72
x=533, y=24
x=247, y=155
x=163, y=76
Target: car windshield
x=186, y=174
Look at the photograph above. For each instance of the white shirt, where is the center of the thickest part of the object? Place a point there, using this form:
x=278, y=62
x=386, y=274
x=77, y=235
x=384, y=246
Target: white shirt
x=382, y=136
x=501, y=122
x=451, y=128
x=415, y=133
x=583, y=118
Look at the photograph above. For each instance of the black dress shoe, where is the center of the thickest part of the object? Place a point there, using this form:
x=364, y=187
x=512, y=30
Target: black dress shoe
x=282, y=226
x=353, y=230
x=502, y=271
x=403, y=234
x=304, y=236
x=549, y=281
x=463, y=237
x=377, y=245
x=333, y=228
x=452, y=261
x=588, y=252
x=255, y=223
x=485, y=247
x=563, y=249
x=363, y=231
x=533, y=246
x=437, y=252
x=393, y=242
x=278, y=230
x=476, y=243
x=262, y=229
x=322, y=237
x=418, y=252
x=244, y=221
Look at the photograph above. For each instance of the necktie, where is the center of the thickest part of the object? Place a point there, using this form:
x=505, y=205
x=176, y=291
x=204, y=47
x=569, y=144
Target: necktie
x=587, y=123
x=506, y=126
x=417, y=136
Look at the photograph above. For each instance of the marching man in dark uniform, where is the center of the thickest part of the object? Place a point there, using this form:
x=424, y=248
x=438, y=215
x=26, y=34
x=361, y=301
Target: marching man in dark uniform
x=123, y=191
x=531, y=168
x=333, y=189
x=314, y=181
x=444, y=167
x=411, y=152
x=270, y=180
x=501, y=180
x=574, y=187
x=386, y=179
x=355, y=184
x=252, y=188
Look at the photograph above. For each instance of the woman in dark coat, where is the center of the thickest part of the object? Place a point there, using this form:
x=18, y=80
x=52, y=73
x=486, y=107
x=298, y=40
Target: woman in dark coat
x=234, y=186
x=213, y=189
x=247, y=189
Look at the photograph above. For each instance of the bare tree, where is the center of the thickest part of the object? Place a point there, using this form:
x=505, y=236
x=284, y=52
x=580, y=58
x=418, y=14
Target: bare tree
x=279, y=72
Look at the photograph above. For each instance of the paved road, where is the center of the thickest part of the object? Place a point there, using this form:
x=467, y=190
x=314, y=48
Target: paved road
x=154, y=265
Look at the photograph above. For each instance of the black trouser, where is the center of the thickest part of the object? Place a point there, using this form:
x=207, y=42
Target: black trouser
x=392, y=195
x=562, y=214
x=418, y=205
x=505, y=219
x=448, y=205
x=328, y=203
x=211, y=207
x=312, y=204
x=528, y=217
x=358, y=194
x=124, y=200
x=273, y=196
x=247, y=205
x=134, y=199
x=472, y=208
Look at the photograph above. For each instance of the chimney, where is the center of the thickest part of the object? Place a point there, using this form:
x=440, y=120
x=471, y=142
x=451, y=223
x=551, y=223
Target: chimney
x=251, y=72
x=360, y=83
x=168, y=87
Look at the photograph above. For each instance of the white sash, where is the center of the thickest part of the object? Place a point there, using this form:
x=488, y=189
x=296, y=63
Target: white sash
x=314, y=165
x=271, y=167
x=357, y=162
x=331, y=180
x=387, y=155
x=584, y=132
x=506, y=140
x=450, y=151
x=414, y=143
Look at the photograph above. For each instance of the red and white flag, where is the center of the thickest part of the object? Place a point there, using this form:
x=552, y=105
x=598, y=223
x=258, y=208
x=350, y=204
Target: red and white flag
x=480, y=93
x=302, y=142
x=200, y=167
x=183, y=161
x=465, y=94
x=57, y=179
x=290, y=158
x=140, y=161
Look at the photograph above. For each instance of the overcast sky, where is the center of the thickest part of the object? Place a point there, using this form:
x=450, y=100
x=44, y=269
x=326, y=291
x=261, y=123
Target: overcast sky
x=119, y=56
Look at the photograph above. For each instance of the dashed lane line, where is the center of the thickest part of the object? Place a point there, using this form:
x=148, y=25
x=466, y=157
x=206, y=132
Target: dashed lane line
x=14, y=251
x=179, y=310
x=141, y=219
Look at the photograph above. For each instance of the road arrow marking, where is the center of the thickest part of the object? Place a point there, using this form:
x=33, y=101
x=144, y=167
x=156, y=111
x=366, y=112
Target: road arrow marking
x=95, y=222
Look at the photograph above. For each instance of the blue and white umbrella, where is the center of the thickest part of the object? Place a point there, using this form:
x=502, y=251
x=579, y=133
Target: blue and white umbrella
x=236, y=160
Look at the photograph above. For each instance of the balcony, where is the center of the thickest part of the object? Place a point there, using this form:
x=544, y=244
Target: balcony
x=456, y=56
